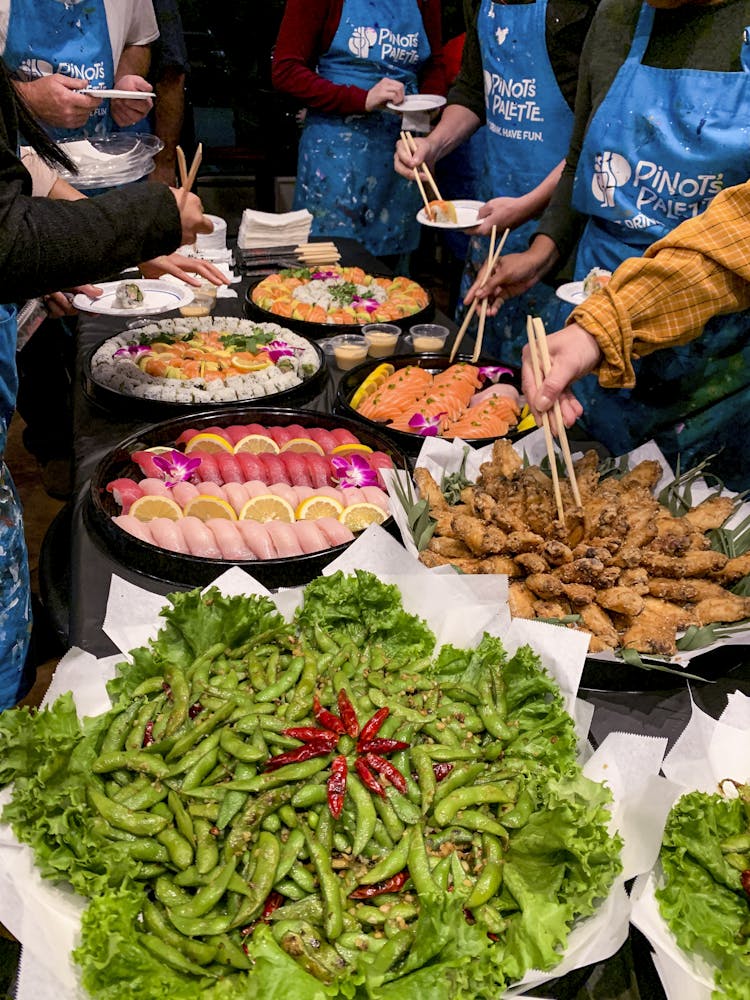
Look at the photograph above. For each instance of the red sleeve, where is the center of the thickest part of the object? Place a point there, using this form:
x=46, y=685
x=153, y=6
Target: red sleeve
x=432, y=79
x=307, y=30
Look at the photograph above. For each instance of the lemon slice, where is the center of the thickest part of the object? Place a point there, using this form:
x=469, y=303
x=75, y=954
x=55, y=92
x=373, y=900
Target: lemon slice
x=352, y=449
x=207, y=507
x=303, y=445
x=256, y=444
x=146, y=508
x=373, y=381
x=527, y=420
x=318, y=506
x=360, y=515
x=208, y=442
x=267, y=507
x=159, y=449
x=246, y=365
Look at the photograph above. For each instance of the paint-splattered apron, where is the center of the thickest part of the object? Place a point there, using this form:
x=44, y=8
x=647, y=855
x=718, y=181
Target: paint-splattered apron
x=660, y=146
x=15, y=606
x=345, y=174
x=527, y=134
x=47, y=36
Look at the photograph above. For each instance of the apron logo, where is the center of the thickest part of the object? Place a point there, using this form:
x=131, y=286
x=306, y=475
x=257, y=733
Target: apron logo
x=361, y=41
x=88, y=72
x=31, y=69
x=610, y=172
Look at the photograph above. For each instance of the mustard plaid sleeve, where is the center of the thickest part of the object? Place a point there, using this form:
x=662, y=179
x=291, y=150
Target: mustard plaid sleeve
x=666, y=297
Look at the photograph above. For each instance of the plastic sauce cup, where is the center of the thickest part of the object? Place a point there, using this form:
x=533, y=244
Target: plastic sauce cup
x=428, y=337
x=381, y=338
x=204, y=300
x=348, y=350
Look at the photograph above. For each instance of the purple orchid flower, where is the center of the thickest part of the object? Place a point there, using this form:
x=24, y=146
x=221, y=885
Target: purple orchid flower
x=132, y=351
x=176, y=467
x=353, y=471
x=279, y=349
x=325, y=275
x=493, y=372
x=369, y=305
x=426, y=426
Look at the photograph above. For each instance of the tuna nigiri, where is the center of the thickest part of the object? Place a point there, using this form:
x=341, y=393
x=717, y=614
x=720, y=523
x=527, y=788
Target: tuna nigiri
x=125, y=492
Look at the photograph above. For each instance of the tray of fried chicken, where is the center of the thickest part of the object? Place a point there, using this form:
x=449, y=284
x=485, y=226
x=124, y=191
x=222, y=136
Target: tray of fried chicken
x=642, y=564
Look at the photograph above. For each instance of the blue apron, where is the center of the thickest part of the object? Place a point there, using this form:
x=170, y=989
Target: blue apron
x=15, y=601
x=527, y=134
x=660, y=146
x=47, y=36
x=345, y=174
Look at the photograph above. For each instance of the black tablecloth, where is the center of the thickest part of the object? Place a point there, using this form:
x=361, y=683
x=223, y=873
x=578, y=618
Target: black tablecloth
x=662, y=710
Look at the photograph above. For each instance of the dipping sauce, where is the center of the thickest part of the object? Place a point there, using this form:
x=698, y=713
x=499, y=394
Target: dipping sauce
x=423, y=344
x=348, y=356
x=428, y=337
x=381, y=338
x=204, y=300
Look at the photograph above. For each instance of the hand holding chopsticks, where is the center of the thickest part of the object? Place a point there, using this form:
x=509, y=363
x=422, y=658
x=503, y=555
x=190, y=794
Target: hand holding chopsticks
x=538, y=350
x=412, y=147
x=492, y=260
x=417, y=178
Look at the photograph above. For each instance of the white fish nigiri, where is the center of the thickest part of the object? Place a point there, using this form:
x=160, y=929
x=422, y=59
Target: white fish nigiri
x=139, y=529
x=166, y=533
x=199, y=538
x=257, y=539
x=336, y=532
x=229, y=539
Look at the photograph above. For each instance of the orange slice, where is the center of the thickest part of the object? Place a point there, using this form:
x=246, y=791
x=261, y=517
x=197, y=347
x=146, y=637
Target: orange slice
x=360, y=515
x=208, y=442
x=303, y=445
x=267, y=507
x=318, y=506
x=207, y=507
x=146, y=508
x=246, y=364
x=352, y=449
x=257, y=444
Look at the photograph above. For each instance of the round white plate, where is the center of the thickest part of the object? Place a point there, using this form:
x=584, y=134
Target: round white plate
x=466, y=215
x=417, y=102
x=130, y=95
x=158, y=297
x=572, y=292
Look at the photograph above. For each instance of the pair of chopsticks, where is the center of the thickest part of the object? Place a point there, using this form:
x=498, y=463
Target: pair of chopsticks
x=492, y=258
x=318, y=253
x=187, y=177
x=538, y=350
x=411, y=145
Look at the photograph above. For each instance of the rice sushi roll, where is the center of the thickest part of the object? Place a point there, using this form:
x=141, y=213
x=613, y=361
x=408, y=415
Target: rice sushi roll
x=128, y=295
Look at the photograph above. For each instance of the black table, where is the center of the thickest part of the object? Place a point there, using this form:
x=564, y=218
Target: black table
x=662, y=710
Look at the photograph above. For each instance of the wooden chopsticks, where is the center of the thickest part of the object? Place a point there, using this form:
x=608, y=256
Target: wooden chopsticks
x=537, y=337
x=412, y=147
x=491, y=263
x=418, y=179
x=318, y=253
x=187, y=177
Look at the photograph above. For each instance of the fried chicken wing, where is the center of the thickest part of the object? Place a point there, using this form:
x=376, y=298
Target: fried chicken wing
x=451, y=548
x=430, y=491
x=545, y=585
x=691, y=564
x=730, y=608
x=712, y=513
x=597, y=621
x=623, y=600
x=521, y=600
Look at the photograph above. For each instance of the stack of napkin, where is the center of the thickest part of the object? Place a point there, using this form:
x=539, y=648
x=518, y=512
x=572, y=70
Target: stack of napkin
x=266, y=229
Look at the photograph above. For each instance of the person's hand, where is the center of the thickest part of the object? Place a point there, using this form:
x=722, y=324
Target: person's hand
x=191, y=215
x=573, y=353
x=55, y=100
x=505, y=213
x=385, y=90
x=61, y=303
x=404, y=161
x=514, y=274
x=129, y=111
x=184, y=268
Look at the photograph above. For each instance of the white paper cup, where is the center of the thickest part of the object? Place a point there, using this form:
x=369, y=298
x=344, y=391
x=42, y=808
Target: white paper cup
x=217, y=240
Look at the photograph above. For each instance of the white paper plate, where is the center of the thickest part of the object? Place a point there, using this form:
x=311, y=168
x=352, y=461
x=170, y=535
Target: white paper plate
x=137, y=95
x=417, y=102
x=158, y=297
x=572, y=292
x=466, y=215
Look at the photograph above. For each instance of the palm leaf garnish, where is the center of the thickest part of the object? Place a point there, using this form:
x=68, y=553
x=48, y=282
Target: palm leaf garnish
x=421, y=524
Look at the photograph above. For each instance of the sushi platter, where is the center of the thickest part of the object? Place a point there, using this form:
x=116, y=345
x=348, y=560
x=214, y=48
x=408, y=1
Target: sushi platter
x=172, y=366
x=329, y=300
x=281, y=493
x=376, y=394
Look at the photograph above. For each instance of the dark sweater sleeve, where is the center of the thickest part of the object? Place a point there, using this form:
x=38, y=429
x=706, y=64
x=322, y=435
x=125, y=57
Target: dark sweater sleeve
x=432, y=77
x=306, y=31
x=46, y=245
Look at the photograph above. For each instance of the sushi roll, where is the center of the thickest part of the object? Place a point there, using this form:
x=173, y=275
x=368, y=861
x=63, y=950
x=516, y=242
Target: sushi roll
x=597, y=278
x=128, y=295
x=442, y=211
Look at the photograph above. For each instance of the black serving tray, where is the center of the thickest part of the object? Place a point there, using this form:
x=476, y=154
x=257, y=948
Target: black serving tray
x=317, y=331
x=136, y=407
x=172, y=567
x=411, y=444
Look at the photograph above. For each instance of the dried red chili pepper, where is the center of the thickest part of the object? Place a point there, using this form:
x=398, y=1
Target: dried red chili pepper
x=195, y=709
x=372, y=726
x=348, y=715
x=309, y=734
x=380, y=745
x=337, y=785
x=167, y=690
x=368, y=778
x=148, y=734
x=307, y=752
x=327, y=719
x=441, y=771
x=274, y=901
x=745, y=880
x=389, y=885
x=384, y=767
